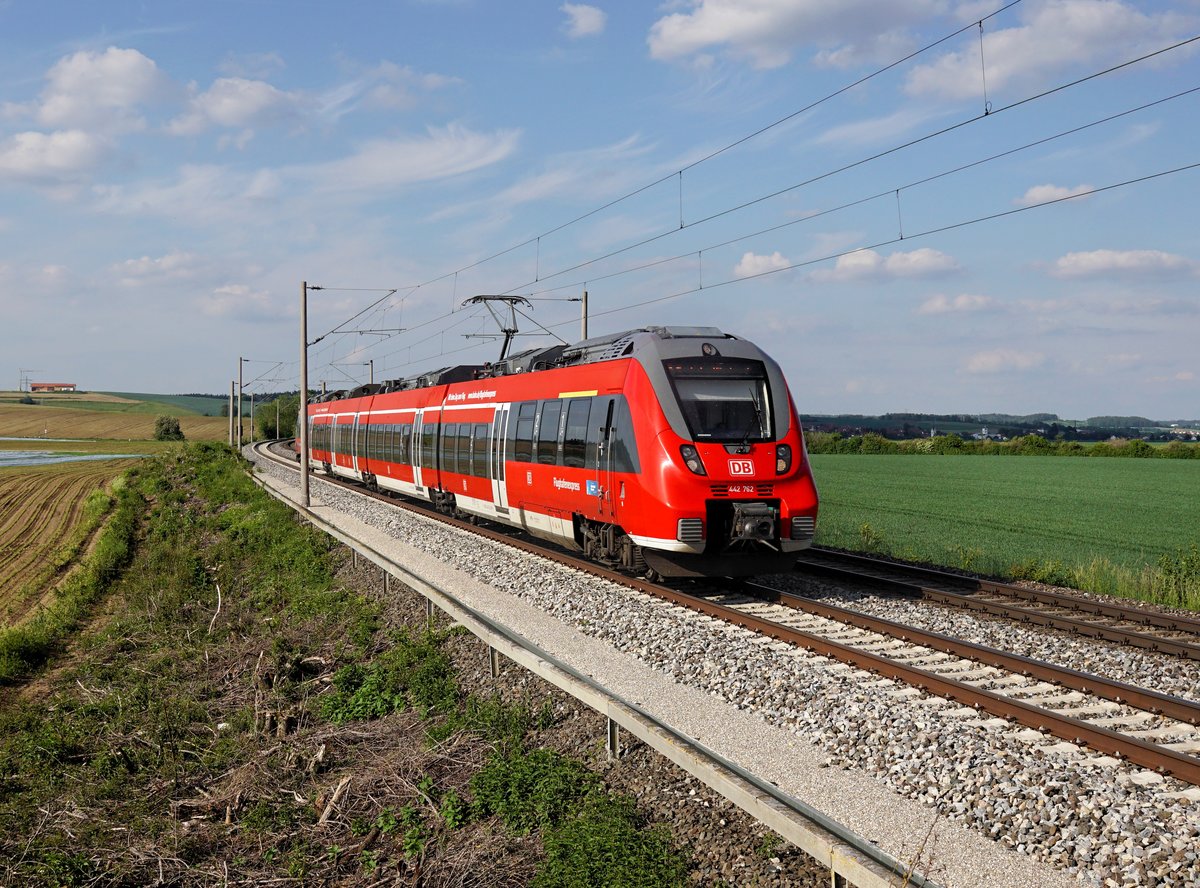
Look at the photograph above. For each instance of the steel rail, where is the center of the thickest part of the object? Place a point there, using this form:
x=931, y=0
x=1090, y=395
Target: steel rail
x=865, y=862
x=1147, y=755
x=1151, y=701
x=966, y=600
x=1129, y=612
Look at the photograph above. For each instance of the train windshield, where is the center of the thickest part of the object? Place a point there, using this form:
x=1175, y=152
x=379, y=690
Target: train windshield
x=723, y=399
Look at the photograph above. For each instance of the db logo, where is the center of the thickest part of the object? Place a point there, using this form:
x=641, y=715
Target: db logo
x=741, y=467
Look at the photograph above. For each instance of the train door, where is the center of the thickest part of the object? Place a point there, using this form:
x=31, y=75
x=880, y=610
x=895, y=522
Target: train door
x=604, y=450
x=415, y=447
x=355, y=443
x=496, y=457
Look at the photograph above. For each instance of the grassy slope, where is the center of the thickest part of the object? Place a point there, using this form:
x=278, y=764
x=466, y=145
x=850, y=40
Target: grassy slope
x=197, y=737
x=997, y=514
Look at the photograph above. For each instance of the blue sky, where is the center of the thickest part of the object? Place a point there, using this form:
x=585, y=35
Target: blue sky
x=170, y=172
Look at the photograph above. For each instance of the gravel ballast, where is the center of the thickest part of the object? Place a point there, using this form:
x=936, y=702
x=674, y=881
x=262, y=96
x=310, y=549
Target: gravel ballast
x=975, y=801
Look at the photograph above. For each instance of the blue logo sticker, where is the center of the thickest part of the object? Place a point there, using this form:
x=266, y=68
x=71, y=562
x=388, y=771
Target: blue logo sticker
x=593, y=488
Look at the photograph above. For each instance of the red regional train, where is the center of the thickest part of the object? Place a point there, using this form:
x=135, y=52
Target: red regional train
x=673, y=451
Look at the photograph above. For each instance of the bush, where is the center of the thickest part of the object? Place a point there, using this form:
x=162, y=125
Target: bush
x=166, y=428
x=25, y=399
x=944, y=444
x=531, y=790
x=606, y=844
x=1138, y=449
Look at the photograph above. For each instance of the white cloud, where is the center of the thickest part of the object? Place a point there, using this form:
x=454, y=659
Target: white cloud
x=752, y=264
x=236, y=102
x=254, y=65
x=102, y=91
x=1133, y=263
x=146, y=270
x=387, y=86
x=1002, y=359
x=214, y=193
x=583, y=20
x=1054, y=36
x=238, y=301
x=382, y=164
x=868, y=264
x=594, y=174
x=51, y=158
x=768, y=32
x=874, y=130
x=942, y=304
x=1043, y=193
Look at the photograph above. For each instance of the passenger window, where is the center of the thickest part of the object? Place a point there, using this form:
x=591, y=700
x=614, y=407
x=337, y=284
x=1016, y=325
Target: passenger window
x=479, y=449
x=601, y=410
x=575, y=440
x=624, y=448
x=547, y=450
x=449, y=439
x=464, y=448
x=429, y=438
x=523, y=432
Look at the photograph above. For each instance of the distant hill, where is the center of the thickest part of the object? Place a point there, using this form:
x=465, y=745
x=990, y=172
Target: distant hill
x=1121, y=422
x=916, y=425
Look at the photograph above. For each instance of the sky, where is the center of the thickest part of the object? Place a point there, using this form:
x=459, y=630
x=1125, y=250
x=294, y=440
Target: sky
x=929, y=206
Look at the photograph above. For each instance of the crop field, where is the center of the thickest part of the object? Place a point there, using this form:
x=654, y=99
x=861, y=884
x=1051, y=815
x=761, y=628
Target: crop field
x=126, y=402
x=41, y=513
x=178, y=404
x=37, y=421
x=1012, y=516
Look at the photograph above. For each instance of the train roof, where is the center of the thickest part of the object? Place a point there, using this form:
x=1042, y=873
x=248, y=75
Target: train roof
x=594, y=350
x=589, y=351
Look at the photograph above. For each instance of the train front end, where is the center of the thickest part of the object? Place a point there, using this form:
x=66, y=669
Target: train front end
x=727, y=459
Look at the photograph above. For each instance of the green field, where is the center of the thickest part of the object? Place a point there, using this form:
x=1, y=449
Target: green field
x=1102, y=524
x=182, y=403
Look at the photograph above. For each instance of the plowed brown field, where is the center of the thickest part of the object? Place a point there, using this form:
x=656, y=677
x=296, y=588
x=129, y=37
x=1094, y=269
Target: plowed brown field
x=24, y=421
x=39, y=507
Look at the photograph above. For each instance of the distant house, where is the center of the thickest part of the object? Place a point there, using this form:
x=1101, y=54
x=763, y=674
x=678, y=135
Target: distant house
x=984, y=435
x=52, y=386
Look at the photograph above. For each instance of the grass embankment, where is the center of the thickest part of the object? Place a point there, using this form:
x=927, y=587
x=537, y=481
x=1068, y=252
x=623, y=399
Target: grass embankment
x=1121, y=527
x=240, y=716
x=47, y=515
x=42, y=421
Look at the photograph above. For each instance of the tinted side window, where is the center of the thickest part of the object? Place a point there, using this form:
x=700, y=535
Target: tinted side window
x=547, y=451
x=464, y=448
x=429, y=435
x=624, y=448
x=575, y=439
x=523, y=433
x=449, y=439
x=600, y=416
x=480, y=450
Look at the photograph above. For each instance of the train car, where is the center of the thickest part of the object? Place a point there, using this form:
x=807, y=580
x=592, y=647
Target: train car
x=665, y=450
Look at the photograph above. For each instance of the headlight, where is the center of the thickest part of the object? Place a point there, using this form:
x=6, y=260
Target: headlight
x=783, y=459
x=691, y=459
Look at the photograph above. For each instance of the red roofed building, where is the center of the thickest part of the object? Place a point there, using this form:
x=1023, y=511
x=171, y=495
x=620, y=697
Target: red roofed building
x=52, y=386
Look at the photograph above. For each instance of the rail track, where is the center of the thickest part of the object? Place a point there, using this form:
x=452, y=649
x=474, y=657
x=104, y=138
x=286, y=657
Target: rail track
x=1107, y=620
x=1155, y=731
